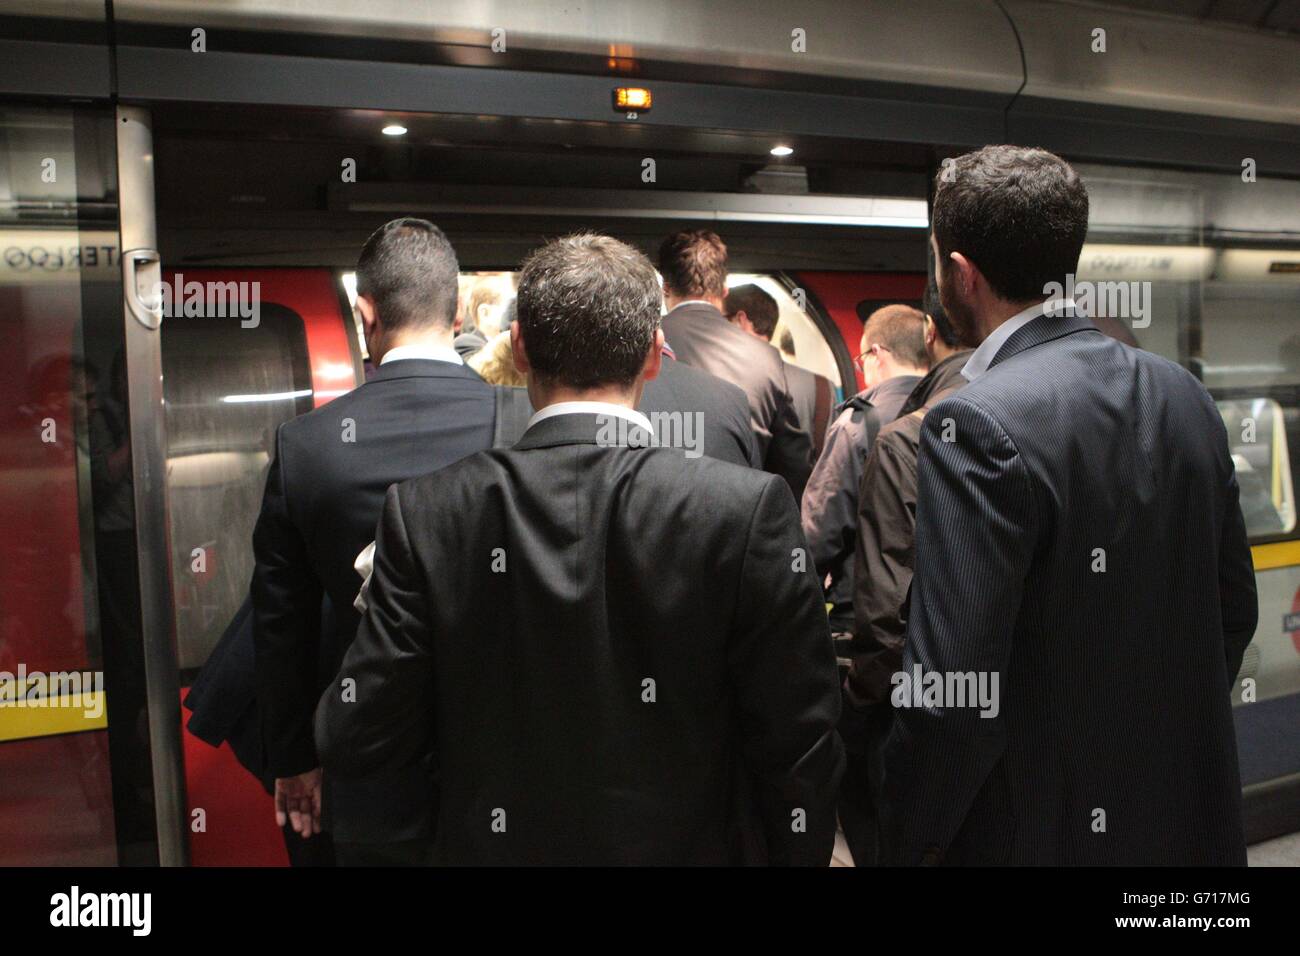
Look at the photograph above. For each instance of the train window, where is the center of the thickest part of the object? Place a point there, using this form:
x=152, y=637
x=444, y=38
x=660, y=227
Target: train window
x=226, y=390
x=1257, y=437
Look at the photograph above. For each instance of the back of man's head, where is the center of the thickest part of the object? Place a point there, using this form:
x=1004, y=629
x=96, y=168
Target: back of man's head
x=486, y=301
x=409, y=270
x=1019, y=214
x=694, y=264
x=933, y=307
x=588, y=310
x=787, y=343
x=760, y=308
x=900, y=331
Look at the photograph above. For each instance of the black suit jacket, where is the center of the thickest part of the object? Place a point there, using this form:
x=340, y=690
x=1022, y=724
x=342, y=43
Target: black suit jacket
x=1113, y=742
x=701, y=336
x=323, y=497
x=720, y=428
x=604, y=646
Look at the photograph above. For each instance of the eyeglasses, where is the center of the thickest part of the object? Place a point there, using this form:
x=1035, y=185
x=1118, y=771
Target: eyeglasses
x=871, y=350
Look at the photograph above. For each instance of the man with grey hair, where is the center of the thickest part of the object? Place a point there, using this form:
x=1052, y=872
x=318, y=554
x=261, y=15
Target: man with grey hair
x=606, y=645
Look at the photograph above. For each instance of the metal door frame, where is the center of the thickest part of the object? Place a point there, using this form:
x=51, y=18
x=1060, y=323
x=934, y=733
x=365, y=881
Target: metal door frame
x=142, y=315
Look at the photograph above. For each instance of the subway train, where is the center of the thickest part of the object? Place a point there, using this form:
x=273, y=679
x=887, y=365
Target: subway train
x=240, y=153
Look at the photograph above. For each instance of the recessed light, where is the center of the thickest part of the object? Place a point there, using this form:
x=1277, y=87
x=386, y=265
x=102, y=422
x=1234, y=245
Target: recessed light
x=393, y=129
x=781, y=151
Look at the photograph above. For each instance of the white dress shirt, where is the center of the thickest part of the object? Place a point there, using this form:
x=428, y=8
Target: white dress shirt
x=980, y=359
x=438, y=353
x=591, y=408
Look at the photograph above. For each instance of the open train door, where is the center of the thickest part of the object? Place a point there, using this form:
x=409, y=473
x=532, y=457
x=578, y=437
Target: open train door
x=89, y=735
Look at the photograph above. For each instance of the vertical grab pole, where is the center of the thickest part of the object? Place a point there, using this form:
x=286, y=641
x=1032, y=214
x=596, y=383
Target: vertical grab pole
x=142, y=313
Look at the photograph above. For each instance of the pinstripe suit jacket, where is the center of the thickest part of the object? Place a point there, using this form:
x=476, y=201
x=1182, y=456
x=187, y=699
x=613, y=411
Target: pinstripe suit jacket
x=1078, y=536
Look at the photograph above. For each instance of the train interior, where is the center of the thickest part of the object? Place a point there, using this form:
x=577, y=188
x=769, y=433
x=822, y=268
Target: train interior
x=834, y=229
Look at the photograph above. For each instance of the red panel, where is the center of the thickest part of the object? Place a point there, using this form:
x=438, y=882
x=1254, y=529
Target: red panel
x=314, y=295
x=840, y=292
x=56, y=802
x=41, y=590
x=240, y=815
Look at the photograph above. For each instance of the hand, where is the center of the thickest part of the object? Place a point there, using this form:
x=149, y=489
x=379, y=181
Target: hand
x=298, y=800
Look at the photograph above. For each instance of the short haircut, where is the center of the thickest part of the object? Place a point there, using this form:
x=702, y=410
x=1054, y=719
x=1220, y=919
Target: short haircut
x=694, y=263
x=934, y=309
x=485, y=290
x=759, y=307
x=588, y=310
x=1019, y=214
x=901, y=330
x=409, y=270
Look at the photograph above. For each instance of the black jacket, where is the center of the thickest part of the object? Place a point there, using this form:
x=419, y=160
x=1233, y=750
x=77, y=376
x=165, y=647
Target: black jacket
x=324, y=492
x=1078, y=537
x=604, y=647
x=701, y=336
x=719, y=425
x=830, y=502
x=886, y=527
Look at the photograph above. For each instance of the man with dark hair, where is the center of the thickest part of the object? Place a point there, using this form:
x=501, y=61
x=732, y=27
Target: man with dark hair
x=892, y=360
x=420, y=410
x=602, y=642
x=882, y=573
x=754, y=310
x=693, y=264
x=1083, y=589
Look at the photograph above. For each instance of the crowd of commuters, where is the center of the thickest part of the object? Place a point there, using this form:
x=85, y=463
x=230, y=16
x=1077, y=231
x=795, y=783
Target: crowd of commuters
x=502, y=615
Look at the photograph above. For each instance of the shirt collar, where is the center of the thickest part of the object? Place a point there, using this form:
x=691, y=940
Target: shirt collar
x=436, y=353
x=591, y=408
x=983, y=356
x=690, y=302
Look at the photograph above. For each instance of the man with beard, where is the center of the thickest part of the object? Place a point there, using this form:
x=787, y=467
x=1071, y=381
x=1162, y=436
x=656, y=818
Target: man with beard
x=1080, y=553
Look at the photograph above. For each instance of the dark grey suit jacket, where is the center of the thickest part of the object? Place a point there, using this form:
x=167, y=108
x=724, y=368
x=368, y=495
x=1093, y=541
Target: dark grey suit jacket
x=701, y=336
x=599, y=644
x=1113, y=741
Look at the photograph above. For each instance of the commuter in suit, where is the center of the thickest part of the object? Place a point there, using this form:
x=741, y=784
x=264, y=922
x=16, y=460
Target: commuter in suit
x=422, y=409
x=602, y=642
x=720, y=424
x=813, y=395
x=886, y=510
x=751, y=308
x=694, y=269
x=1083, y=591
x=892, y=360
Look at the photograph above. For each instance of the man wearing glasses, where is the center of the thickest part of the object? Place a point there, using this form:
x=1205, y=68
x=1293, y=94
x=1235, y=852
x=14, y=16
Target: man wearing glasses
x=892, y=360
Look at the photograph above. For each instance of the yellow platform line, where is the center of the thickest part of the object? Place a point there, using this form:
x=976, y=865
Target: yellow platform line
x=69, y=717
x=1280, y=554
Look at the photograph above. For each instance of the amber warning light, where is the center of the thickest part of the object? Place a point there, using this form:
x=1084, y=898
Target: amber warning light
x=632, y=99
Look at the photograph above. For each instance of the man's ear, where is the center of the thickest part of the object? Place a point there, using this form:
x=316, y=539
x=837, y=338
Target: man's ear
x=366, y=306
x=968, y=274
x=517, y=349
x=654, y=359
x=742, y=320
x=457, y=323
